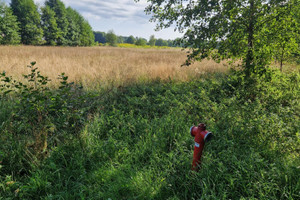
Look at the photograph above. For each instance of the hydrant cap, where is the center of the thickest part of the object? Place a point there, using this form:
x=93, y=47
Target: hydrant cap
x=192, y=131
x=202, y=126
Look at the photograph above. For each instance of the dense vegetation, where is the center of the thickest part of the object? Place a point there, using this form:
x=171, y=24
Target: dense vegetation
x=133, y=142
x=112, y=39
x=55, y=25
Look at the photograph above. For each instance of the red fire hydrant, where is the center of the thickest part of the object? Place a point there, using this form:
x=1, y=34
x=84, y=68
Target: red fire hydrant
x=201, y=136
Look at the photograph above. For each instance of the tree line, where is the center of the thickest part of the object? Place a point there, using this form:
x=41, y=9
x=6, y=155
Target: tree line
x=53, y=24
x=23, y=22
x=111, y=39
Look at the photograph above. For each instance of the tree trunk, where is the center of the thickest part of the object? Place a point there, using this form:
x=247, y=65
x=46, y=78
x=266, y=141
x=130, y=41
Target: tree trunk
x=281, y=59
x=250, y=58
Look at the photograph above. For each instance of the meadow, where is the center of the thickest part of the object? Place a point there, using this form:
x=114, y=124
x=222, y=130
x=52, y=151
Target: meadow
x=104, y=65
x=123, y=133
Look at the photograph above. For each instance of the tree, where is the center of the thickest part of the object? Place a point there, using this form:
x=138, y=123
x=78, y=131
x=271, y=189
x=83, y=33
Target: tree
x=79, y=31
x=100, y=37
x=283, y=37
x=170, y=43
x=130, y=40
x=141, y=42
x=73, y=31
x=222, y=28
x=152, y=40
x=29, y=21
x=61, y=18
x=9, y=29
x=120, y=39
x=51, y=31
x=111, y=38
x=87, y=37
x=160, y=42
x=178, y=42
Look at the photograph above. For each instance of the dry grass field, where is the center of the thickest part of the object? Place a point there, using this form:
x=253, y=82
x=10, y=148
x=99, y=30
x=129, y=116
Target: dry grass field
x=94, y=66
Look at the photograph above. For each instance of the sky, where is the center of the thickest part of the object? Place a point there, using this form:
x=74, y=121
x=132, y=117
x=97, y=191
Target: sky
x=124, y=17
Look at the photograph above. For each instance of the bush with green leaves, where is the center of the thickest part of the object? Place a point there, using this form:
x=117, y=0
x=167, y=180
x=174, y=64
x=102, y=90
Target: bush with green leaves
x=40, y=111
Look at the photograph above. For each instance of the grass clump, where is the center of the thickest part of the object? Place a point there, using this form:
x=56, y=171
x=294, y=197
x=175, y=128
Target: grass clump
x=138, y=146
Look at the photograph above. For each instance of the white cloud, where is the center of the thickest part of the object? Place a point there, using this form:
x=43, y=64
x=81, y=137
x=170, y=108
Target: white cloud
x=113, y=9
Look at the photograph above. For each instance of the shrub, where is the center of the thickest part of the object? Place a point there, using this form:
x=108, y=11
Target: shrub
x=39, y=111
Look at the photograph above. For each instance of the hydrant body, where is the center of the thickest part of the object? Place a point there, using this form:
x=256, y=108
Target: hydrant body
x=201, y=136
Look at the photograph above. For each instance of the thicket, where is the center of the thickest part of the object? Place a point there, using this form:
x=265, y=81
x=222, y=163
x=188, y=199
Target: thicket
x=54, y=25
x=39, y=111
x=135, y=142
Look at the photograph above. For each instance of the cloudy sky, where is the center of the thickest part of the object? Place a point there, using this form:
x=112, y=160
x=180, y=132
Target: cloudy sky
x=124, y=17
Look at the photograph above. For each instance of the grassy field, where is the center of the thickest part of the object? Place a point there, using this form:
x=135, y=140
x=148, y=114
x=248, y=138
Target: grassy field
x=102, y=65
x=131, y=140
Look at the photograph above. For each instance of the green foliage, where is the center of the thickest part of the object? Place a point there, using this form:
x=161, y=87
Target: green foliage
x=152, y=40
x=138, y=145
x=51, y=31
x=160, y=42
x=171, y=43
x=100, y=37
x=29, y=21
x=55, y=26
x=130, y=40
x=87, y=37
x=40, y=112
x=123, y=41
x=111, y=38
x=141, y=42
x=283, y=36
x=9, y=29
x=66, y=26
x=229, y=29
x=73, y=34
x=61, y=19
x=120, y=39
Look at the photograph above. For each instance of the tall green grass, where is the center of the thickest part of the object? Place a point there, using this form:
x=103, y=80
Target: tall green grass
x=137, y=145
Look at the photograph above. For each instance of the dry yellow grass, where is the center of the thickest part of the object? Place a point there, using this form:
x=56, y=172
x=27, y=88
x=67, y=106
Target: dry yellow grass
x=94, y=66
